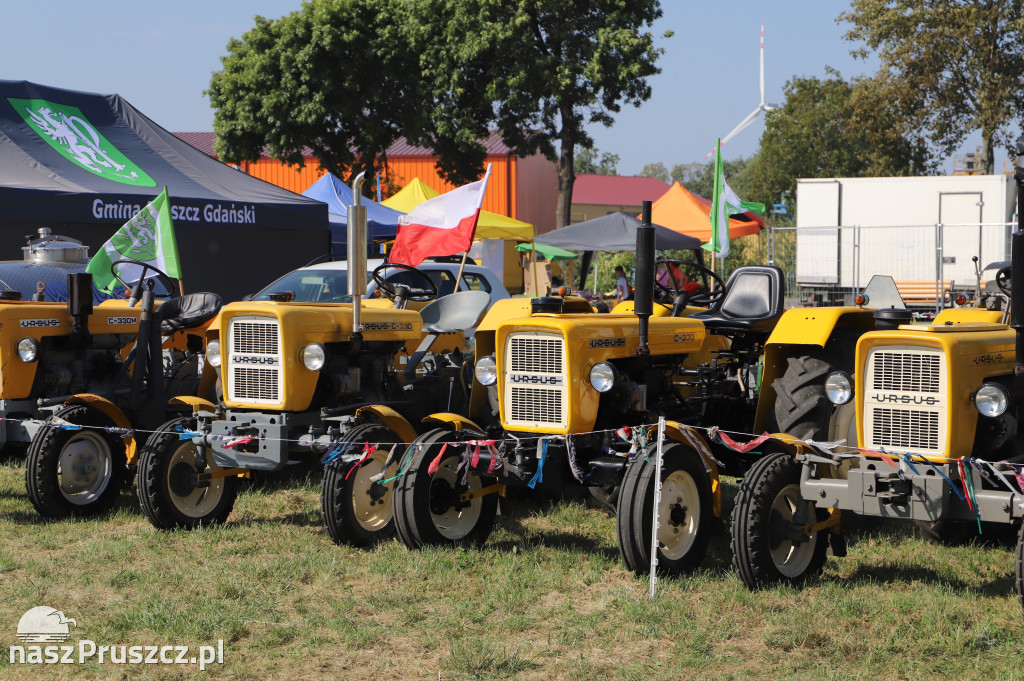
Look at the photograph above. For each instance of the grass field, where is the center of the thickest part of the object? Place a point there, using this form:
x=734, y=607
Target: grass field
x=546, y=598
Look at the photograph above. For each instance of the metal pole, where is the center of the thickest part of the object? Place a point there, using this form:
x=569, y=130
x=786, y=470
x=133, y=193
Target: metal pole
x=657, y=502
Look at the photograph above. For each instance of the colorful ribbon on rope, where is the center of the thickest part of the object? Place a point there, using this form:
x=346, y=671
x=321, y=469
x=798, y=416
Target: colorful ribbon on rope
x=542, y=445
x=368, y=450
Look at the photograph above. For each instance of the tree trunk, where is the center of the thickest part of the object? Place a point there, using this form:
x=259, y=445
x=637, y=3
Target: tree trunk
x=566, y=177
x=987, y=152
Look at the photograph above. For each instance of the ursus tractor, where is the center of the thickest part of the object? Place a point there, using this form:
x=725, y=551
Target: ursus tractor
x=342, y=383
x=936, y=409
x=576, y=392
x=121, y=364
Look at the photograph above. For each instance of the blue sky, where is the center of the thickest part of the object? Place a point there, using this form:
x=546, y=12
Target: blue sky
x=159, y=56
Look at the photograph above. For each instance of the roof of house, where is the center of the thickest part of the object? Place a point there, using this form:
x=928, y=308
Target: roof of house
x=617, y=190
x=203, y=141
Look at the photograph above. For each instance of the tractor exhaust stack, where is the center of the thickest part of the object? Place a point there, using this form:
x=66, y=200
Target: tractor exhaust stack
x=643, y=284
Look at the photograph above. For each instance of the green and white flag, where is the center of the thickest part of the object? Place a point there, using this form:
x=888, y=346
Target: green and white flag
x=724, y=204
x=148, y=237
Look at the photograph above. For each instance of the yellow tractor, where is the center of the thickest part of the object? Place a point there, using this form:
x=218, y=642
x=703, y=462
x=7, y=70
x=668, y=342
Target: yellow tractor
x=130, y=357
x=575, y=394
x=316, y=380
x=935, y=410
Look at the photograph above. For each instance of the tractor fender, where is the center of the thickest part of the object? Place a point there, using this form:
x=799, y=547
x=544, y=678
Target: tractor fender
x=798, y=330
x=692, y=438
x=197, y=403
x=392, y=419
x=454, y=421
x=115, y=414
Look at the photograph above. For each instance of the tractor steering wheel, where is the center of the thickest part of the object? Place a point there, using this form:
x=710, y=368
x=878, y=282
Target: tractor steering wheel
x=158, y=274
x=390, y=290
x=705, y=298
x=1003, y=280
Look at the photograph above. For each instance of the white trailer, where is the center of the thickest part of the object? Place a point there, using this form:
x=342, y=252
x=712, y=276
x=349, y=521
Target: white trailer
x=915, y=229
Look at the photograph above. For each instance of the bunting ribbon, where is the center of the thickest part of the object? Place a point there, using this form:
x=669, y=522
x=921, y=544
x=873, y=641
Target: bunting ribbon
x=542, y=445
x=184, y=434
x=743, y=447
x=238, y=441
x=368, y=450
x=436, y=463
x=570, y=450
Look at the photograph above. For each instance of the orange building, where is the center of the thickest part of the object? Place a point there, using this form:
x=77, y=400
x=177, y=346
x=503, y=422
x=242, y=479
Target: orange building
x=522, y=188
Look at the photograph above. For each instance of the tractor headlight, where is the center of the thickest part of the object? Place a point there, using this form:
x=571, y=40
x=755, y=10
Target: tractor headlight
x=213, y=353
x=314, y=357
x=602, y=377
x=991, y=399
x=28, y=350
x=486, y=370
x=838, y=387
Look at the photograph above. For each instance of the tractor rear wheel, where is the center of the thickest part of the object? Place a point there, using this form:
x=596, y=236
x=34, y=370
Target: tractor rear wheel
x=767, y=546
x=801, y=407
x=169, y=491
x=684, y=513
x=356, y=510
x=429, y=510
x=75, y=473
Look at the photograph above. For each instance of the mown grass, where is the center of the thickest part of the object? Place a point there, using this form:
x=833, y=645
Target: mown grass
x=546, y=598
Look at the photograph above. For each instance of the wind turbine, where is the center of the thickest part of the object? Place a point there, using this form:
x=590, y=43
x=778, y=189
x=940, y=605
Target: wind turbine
x=763, y=106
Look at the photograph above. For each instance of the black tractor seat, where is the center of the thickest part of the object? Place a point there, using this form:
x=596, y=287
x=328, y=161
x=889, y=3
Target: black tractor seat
x=187, y=312
x=753, y=302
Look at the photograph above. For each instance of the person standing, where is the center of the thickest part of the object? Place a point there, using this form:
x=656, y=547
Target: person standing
x=622, y=289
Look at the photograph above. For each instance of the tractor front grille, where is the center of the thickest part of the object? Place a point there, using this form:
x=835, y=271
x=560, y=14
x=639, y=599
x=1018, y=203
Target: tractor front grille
x=906, y=400
x=535, y=384
x=254, y=364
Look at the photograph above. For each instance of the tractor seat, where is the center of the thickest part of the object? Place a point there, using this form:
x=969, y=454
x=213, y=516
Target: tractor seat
x=753, y=302
x=455, y=312
x=187, y=312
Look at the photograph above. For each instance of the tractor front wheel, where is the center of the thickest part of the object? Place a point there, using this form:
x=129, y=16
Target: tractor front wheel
x=170, y=491
x=684, y=512
x=430, y=509
x=74, y=473
x=355, y=509
x=768, y=544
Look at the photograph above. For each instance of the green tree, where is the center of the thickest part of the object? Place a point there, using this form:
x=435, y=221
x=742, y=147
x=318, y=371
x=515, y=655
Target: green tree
x=832, y=128
x=540, y=70
x=656, y=170
x=950, y=66
x=338, y=77
x=588, y=163
x=699, y=178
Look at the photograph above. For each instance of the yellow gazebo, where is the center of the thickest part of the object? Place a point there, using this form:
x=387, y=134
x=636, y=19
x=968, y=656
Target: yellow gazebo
x=489, y=226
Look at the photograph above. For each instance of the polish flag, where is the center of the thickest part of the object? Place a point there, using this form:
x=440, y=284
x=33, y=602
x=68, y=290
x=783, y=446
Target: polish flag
x=443, y=225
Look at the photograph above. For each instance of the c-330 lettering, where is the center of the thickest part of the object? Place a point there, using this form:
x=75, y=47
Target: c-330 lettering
x=534, y=379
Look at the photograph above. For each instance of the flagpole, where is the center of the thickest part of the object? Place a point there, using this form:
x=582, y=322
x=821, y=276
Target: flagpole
x=476, y=220
x=533, y=267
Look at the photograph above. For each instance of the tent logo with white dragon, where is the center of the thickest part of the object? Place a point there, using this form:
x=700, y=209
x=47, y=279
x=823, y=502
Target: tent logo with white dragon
x=66, y=130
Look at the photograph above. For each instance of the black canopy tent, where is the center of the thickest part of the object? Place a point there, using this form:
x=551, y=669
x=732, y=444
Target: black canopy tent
x=84, y=163
x=612, y=232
